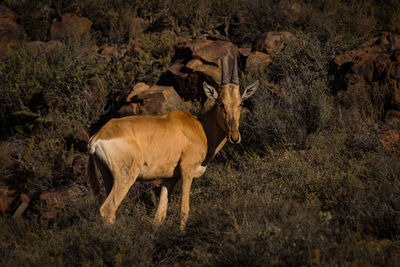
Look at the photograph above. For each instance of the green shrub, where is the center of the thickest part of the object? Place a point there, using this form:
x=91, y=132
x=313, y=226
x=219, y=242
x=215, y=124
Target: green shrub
x=48, y=90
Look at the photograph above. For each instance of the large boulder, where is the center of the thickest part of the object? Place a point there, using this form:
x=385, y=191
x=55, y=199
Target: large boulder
x=154, y=100
x=11, y=32
x=195, y=61
x=378, y=61
x=70, y=26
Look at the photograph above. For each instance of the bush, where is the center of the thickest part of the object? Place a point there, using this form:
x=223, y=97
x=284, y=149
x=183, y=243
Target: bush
x=294, y=99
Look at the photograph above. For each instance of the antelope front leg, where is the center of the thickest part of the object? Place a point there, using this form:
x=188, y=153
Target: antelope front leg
x=186, y=184
x=166, y=190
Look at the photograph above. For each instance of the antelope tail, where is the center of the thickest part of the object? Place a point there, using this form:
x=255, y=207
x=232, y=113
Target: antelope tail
x=92, y=177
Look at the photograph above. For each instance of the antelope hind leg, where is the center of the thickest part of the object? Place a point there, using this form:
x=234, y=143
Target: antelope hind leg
x=166, y=190
x=124, y=169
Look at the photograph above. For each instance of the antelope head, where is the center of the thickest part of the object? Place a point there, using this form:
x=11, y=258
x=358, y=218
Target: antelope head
x=229, y=100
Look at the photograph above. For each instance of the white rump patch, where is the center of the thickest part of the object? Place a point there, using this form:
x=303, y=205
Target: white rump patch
x=102, y=148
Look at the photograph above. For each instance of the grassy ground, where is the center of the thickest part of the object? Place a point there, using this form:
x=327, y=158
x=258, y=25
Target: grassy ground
x=310, y=184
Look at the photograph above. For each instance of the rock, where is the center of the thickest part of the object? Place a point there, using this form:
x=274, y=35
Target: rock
x=271, y=42
x=22, y=207
x=151, y=101
x=245, y=51
x=207, y=51
x=137, y=89
x=59, y=198
x=210, y=71
x=111, y=51
x=10, y=202
x=108, y=51
x=196, y=61
x=70, y=26
x=391, y=140
x=6, y=13
x=7, y=197
x=80, y=140
x=256, y=59
x=214, y=51
x=130, y=109
x=395, y=41
x=372, y=63
x=11, y=33
x=385, y=41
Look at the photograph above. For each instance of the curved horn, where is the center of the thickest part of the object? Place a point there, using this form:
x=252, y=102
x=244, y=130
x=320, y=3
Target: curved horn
x=235, y=73
x=224, y=67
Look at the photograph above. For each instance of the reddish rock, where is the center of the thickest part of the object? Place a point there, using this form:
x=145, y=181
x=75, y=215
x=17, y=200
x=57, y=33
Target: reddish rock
x=196, y=61
x=151, y=101
x=208, y=51
x=59, y=198
x=245, y=51
x=271, y=42
x=374, y=62
x=391, y=140
x=213, y=52
x=80, y=140
x=130, y=109
x=211, y=72
x=70, y=26
x=11, y=33
x=108, y=51
x=22, y=207
x=6, y=13
x=395, y=41
x=256, y=59
x=137, y=89
x=7, y=197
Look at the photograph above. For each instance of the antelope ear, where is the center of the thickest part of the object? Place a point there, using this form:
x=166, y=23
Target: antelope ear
x=210, y=91
x=250, y=90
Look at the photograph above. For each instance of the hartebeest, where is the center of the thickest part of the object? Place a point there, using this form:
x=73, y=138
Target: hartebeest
x=170, y=147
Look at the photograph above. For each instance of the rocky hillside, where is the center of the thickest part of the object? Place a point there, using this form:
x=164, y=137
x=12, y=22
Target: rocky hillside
x=316, y=179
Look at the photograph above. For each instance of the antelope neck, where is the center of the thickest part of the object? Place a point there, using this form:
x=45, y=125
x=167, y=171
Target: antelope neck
x=216, y=136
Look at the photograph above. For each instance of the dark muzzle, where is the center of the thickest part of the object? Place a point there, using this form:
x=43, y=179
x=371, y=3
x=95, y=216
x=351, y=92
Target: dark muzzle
x=234, y=137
